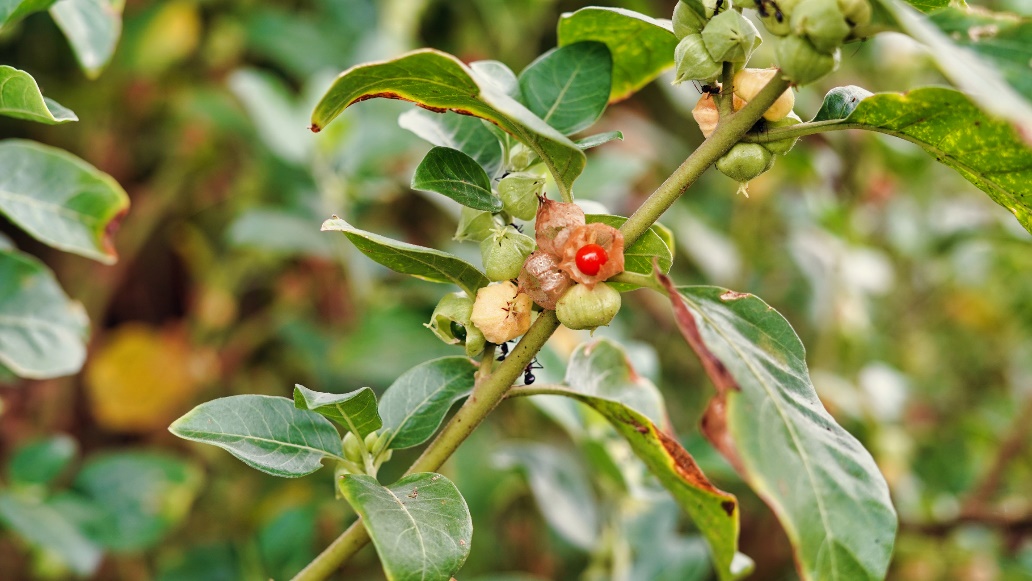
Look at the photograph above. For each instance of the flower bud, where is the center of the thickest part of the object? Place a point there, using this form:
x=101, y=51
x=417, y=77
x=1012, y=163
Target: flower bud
x=801, y=63
x=611, y=242
x=521, y=157
x=543, y=280
x=475, y=225
x=503, y=253
x=776, y=15
x=782, y=146
x=822, y=23
x=729, y=36
x=588, y=308
x=519, y=193
x=857, y=12
x=693, y=62
x=450, y=321
x=745, y=161
x=501, y=312
x=554, y=222
x=749, y=82
x=352, y=449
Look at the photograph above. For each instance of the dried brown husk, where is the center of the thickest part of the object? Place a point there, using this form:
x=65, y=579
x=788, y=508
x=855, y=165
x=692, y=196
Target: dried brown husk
x=543, y=280
x=501, y=312
x=555, y=220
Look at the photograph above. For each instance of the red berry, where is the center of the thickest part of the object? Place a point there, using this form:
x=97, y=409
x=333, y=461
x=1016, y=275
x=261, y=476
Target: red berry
x=590, y=259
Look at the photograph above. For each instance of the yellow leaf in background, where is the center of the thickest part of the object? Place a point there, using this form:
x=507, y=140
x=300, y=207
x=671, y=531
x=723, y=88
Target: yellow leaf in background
x=142, y=378
x=172, y=34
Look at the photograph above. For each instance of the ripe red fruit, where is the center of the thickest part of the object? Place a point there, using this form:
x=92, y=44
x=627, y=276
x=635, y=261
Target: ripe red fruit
x=590, y=259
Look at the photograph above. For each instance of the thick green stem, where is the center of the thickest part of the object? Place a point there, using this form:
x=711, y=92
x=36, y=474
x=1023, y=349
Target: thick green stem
x=492, y=390
x=726, y=103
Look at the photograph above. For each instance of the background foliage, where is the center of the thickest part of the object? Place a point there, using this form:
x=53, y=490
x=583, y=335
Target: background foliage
x=907, y=285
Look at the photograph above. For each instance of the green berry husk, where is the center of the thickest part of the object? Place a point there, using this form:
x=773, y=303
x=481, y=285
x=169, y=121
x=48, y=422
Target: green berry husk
x=519, y=193
x=801, y=62
x=856, y=12
x=687, y=20
x=352, y=449
x=782, y=146
x=822, y=23
x=475, y=225
x=693, y=61
x=504, y=253
x=745, y=162
x=450, y=321
x=584, y=308
x=729, y=36
x=773, y=9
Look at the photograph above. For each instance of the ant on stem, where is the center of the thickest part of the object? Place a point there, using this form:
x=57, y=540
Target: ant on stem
x=528, y=377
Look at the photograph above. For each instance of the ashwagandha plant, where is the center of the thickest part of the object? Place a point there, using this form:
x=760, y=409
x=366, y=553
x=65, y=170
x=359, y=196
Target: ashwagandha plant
x=500, y=140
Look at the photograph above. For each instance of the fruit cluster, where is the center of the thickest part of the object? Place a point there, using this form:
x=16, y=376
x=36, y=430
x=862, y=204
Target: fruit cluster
x=709, y=34
x=810, y=33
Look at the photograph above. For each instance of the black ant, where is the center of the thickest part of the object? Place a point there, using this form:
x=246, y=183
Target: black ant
x=505, y=351
x=716, y=7
x=528, y=377
x=761, y=8
x=517, y=227
x=713, y=89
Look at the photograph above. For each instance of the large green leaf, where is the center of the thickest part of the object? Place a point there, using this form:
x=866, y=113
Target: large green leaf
x=92, y=27
x=12, y=11
x=355, y=410
x=642, y=47
x=48, y=530
x=569, y=86
x=21, y=98
x=418, y=261
x=420, y=525
x=414, y=405
x=467, y=134
x=987, y=152
x=440, y=82
x=452, y=173
x=60, y=199
x=767, y=421
x=42, y=332
x=39, y=462
x=638, y=257
x=265, y=432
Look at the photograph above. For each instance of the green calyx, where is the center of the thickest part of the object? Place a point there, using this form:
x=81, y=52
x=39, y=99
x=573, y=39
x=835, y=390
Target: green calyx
x=583, y=308
x=693, y=61
x=776, y=15
x=504, y=252
x=475, y=225
x=801, y=62
x=450, y=321
x=745, y=162
x=856, y=12
x=729, y=36
x=822, y=22
x=519, y=193
x=782, y=146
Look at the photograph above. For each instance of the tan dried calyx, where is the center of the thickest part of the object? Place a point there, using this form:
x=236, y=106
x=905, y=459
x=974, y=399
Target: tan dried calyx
x=501, y=312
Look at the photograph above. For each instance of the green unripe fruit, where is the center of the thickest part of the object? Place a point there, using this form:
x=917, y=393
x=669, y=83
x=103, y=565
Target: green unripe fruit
x=521, y=157
x=584, y=308
x=687, y=21
x=776, y=16
x=519, y=193
x=475, y=225
x=783, y=146
x=857, y=12
x=801, y=62
x=694, y=61
x=352, y=449
x=504, y=253
x=451, y=323
x=745, y=161
x=821, y=22
x=729, y=36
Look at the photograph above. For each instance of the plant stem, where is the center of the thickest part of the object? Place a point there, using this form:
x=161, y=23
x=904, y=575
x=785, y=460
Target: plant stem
x=725, y=106
x=492, y=390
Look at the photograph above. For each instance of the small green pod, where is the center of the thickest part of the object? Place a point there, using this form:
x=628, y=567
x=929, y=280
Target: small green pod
x=745, y=162
x=521, y=157
x=693, y=61
x=729, y=36
x=519, y=193
x=822, y=23
x=475, y=225
x=352, y=449
x=783, y=146
x=776, y=16
x=801, y=62
x=686, y=20
x=450, y=321
x=504, y=253
x=584, y=308
x=857, y=12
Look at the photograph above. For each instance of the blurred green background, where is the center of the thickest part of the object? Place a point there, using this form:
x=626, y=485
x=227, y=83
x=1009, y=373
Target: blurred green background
x=909, y=288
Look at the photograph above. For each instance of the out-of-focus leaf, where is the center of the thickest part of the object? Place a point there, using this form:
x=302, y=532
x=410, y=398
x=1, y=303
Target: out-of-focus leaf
x=414, y=406
x=215, y=562
x=638, y=257
x=598, y=139
x=462, y=132
x=987, y=152
x=355, y=410
x=266, y=433
x=170, y=35
x=569, y=86
x=294, y=235
x=420, y=525
x=440, y=82
x=452, y=173
x=661, y=553
x=560, y=488
x=40, y=462
x=766, y=420
x=92, y=27
x=47, y=529
x=287, y=542
x=141, y=496
x=21, y=98
x=12, y=11
x=42, y=332
x=641, y=47
x=60, y=199
x=280, y=124
x=418, y=261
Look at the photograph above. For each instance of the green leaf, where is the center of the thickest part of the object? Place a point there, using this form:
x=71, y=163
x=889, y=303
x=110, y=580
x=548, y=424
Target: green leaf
x=60, y=199
x=140, y=497
x=414, y=406
x=569, y=86
x=499, y=76
x=92, y=27
x=598, y=139
x=989, y=153
x=271, y=106
x=638, y=256
x=452, y=173
x=12, y=11
x=440, y=82
x=467, y=134
x=641, y=47
x=767, y=421
x=21, y=98
x=355, y=410
x=39, y=462
x=267, y=433
x=418, y=261
x=929, y=5
x=49, y=531
x=420, y=525
x=295, y=235
x=42, y=332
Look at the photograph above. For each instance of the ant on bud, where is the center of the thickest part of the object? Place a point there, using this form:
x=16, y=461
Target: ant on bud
x=517, y=227
x=528, y=376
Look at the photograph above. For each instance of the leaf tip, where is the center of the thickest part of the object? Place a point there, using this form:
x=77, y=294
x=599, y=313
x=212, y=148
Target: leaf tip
x=314, y=128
